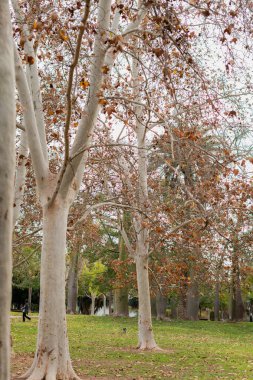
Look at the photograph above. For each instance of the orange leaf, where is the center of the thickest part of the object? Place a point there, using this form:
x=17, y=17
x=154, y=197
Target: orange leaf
x=84, y=84
x=102, y=101
x=63, y=35
x=105, y=69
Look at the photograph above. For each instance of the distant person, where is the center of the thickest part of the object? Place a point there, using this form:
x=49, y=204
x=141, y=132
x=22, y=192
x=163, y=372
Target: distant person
x=25, y=311
x=251, y=317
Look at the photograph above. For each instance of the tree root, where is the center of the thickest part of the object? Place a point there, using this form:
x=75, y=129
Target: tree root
x=153, y=348
x=48, y=370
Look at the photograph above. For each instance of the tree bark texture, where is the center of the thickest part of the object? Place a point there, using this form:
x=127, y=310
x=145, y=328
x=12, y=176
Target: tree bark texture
x=7, y=167
x=146, y=336
x=52, y=359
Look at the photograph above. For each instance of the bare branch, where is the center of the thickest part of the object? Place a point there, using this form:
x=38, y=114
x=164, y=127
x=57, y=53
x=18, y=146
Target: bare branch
x=39, y=162
x=104, y=54
x=26, y=258
x=34, y=80
x=26, y=235
x=126, y=240
x=102, y=204
x=69, y=91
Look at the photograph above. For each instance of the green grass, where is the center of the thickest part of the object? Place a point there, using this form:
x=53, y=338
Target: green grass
x=193, y=350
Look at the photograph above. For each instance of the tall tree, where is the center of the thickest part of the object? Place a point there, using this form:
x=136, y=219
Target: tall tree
x=57, y=189
x=7, y=167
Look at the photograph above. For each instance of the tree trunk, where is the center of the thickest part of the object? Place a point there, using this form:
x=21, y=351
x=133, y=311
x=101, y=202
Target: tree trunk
x=161, y=305
x=121, y=294
x=73, y=284
x=192, y=301
x=237, y=307
x=104, y=304
x=30, y=298
x=52, y=359
x=146, y=336
x=93, y=299
x=181, y=307
x=121, y=302
x=23, y=152
x=153, y=306
x=7, y=167
x=217, y=301
x=110, y=303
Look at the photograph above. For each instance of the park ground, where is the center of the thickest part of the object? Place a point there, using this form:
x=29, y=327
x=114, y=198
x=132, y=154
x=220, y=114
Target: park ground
x=100, y=349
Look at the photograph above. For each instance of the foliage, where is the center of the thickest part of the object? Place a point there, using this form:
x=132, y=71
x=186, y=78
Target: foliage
x=27, y=273
x=91, y=279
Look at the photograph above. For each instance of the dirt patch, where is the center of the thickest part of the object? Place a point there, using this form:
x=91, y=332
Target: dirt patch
x=20, y=364
x=107, y=369
x=155, y=350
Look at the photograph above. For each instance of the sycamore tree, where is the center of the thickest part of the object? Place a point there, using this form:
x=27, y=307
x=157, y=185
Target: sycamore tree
x=7, y=166
x=58, y=182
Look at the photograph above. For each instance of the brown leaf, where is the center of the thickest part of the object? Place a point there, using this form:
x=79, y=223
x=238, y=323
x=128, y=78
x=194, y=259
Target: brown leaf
x=30, y=60
x=102, y=101
x=105, y=69
x=84, y=83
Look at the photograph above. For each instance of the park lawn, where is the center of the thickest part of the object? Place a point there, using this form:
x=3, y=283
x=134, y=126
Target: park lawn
x=192, y=350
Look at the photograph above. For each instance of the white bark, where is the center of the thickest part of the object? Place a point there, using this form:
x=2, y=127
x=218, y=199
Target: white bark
x=20, y=176
x=89, y=116
x=39, y=163
x=103, y=56
x=7, y=167
x=146, y=336
x=141, y=252
x=52, y=359
x=33, y=77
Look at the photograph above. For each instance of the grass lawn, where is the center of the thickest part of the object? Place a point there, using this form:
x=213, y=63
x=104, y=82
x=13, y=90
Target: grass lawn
x=192, y=350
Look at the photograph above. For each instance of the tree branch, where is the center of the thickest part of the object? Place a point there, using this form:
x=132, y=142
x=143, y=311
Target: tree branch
x=26, y=258
x=69, y=97
x=34, y=81
x=102, y=204
x=39, y=162
x=104, y=55
x=126, y=240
